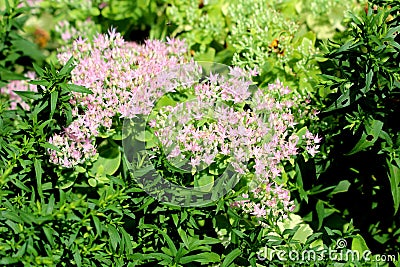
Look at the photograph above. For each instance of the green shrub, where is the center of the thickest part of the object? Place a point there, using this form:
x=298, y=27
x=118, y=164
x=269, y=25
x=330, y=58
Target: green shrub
x=361, y=80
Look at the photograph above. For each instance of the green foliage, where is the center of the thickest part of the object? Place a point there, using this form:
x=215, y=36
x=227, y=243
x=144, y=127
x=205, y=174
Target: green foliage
x=361, y=80
x=16, y=53
x=41, y=224
x=266, y=39
x=278, y=37
x=131, y=18
x=94, y=215
x=326, y=18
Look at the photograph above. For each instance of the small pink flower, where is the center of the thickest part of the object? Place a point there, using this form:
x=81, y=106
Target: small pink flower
x=259, y=211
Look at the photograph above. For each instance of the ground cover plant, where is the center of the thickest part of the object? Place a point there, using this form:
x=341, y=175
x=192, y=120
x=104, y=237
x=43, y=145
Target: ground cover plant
x=199, y=133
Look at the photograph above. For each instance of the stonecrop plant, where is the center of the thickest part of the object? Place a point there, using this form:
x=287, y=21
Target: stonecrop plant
x=116, y=72
x=223, y=119
x=267, y=39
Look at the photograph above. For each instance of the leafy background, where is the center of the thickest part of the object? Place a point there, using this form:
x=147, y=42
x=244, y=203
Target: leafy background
x=346, y=64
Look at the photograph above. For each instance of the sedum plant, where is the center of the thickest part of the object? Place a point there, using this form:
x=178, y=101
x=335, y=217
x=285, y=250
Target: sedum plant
x=97, y=116
x=89, y=178
x=248, y=34
x=263, y=37
x=326, y=18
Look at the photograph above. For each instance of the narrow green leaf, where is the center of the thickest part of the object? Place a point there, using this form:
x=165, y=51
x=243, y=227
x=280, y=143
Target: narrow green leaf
x=78, y=89
x=8, y=8
x=204, y=257
x=38, y=69
x=27, y=217
x=38, y=171
x=68, y=67
x=127, y=240
x=184, y=238
x=50, y=205
x=50, y=146
x=320, y=213
x=27, y=95
x=97, y=225
x=78, y=258
x=114, y=236
x=53, y=102
x=9, y=75
x=394, y=178
x=169, y=241
x=28, y=49
x=369, y=137
x=345, y=47
x=342, y=101
x=158, y=256
x=49, y=234
x=9, y=260
x=368, y=80
x=40, y=82
x=231, y=257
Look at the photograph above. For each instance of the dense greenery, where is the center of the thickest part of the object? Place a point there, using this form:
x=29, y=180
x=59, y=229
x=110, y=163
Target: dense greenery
x=318, y=123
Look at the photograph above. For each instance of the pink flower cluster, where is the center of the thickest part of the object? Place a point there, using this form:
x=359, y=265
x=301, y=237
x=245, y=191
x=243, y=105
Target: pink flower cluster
x=118, y=74
x=19, y=85
x=272, y=201
x=201, y=129
x=257, y=140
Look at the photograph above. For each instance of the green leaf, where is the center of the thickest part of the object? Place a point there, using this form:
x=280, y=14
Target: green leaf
x=369, y=137
x=38, y=171
x=204, y=183
x=114, y=236
x=28, y=49
x=358, y=244
x=97, y=225
x=78, y=258
x=108, y=161
x=204, y=257
x=53, y=102
x=299, y=183
x=169, y=241
x=165, y=100
x=207, y=56
x=49, y=235
x=78, y=89
x=320, y=213
x=342, y=101
x=38, y=69
x=394, y=178
x=342, y=187
x=231, y=257
x=9, y=260
x=9, y=75
x=92, y=182
x=127, y=241
x=184, y=238
x=40, y=82
x=68, y=67
x=27, y=95
x=66, y=181
x=302, y=233
x=47, y=145
x=368, y=80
